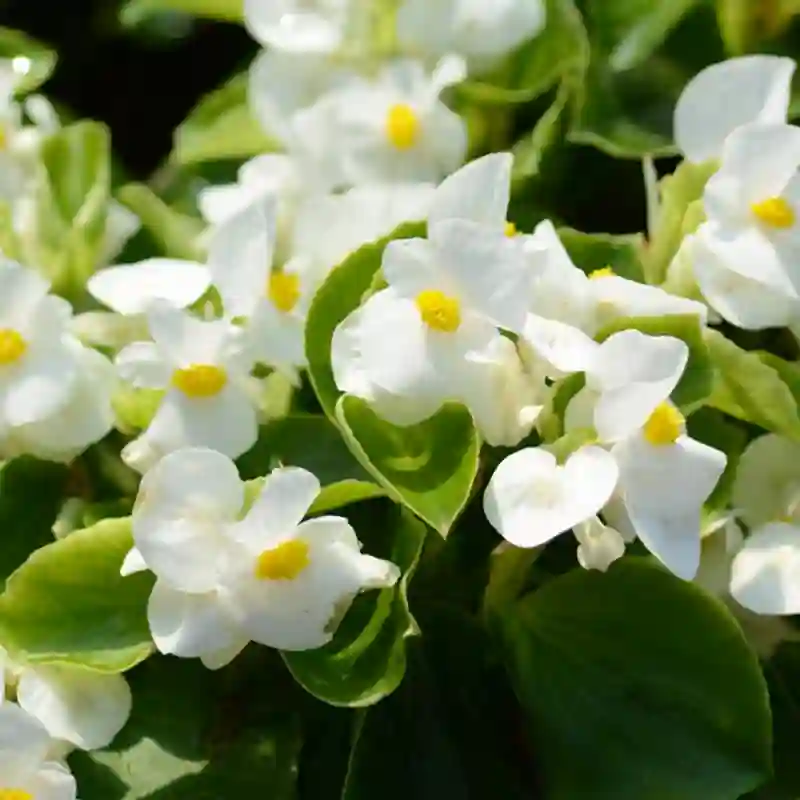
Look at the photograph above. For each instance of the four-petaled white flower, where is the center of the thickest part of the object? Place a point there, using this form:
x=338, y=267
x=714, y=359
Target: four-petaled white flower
x=28, y=770
x=203, y=366
x=223, y=581
x=395, y=127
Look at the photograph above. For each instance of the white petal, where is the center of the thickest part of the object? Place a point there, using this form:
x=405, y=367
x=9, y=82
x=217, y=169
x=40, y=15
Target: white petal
x=284, y=500
x=765, y=575
x=491, y=271
x=294, y=26
x=564, y=347
x=530, y=500
x=23, y=740
x=634, y=373
x=134, y=562
x=727, y=95
x=477, y=192
x=278, y=338
x=85, y=708
x=410, y=266
x=131, y=288
x=21, y=291
x=182, y=505
x=189, y=625
x=142, y=365
x=221, y=658
x=121, y=225
x=664, y=488
x=53, y=782
x=240, y=255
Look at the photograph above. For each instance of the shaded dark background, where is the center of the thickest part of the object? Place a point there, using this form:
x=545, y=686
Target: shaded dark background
x=142, y=82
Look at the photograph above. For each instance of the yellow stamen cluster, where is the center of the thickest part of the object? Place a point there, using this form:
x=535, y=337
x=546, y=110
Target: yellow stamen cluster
x=664, y=426
x=402, y=126
x=605, y=272
x=439, y=311
x=284, y=290
x=774, y=212
x=510, y=229
x=284, y=562
x=15, y=794
x=200, y=380
x=12, y=348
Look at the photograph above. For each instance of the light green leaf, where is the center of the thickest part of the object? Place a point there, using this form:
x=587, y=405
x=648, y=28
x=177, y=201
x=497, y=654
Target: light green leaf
x=631, y=673
x=677, y=192
x=747, y=27
x=748, y=389
x=33, y=60
x=430, y=467
x=221, y=127
x=68, y=604
x=72, y=191
x=698, y=378
x=366, y=660
x=591, y=251
x=136, y=11
x=196, y=734
x=175, y=234
x=341, y=294
x=31, y=494
x=560, y=50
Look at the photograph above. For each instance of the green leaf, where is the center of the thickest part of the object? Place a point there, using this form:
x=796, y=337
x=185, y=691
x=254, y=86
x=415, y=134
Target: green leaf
x=33, y=60
x=176, y=234
x=591, y=251
x=450, y=730
x=560, y=50
x=72, y=191
x=198, y=734
x=31, y=494
x=430, y=467
x=136, y=11
x=341, y=294
x=748, y=389
x=698, y=378
x=676, y=192
x=630, y=31
x=627, y=675
x=221, y=127
x=68, y=604
x=366, y=660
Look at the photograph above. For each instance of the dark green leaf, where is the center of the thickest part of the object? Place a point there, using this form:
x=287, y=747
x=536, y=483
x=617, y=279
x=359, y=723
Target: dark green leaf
x=591, y=251
x=637, y=685
x=135, y=11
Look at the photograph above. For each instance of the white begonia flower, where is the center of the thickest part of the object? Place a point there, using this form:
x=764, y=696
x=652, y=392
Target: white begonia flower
x=395, y=128
x=130, y=290
x=37, y=370
x=752, y=203
x=481, y=32
x=85, y=418
x=740, y=290
x=273, y=301
x=412, y=346
x=269, y=578
x=203, y=366
x=26, y=769
x=599, y=545
x=665, y=478
x=299, y=26
x=629, y=376
x=530, y=499
x=727, y=95
x=85, y=709
x=766, y=486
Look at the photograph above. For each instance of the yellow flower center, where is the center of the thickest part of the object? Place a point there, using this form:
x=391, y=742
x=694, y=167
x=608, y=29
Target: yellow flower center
x=200, y=380
x=774, y=212
x=402, y=126
x=510, y=229
x=439, y=311
x=15, y=794
x=664, y=426
x=605, y=272
x=284, y=290
x=12, y=348
x=283, y=563
x=3, y=146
